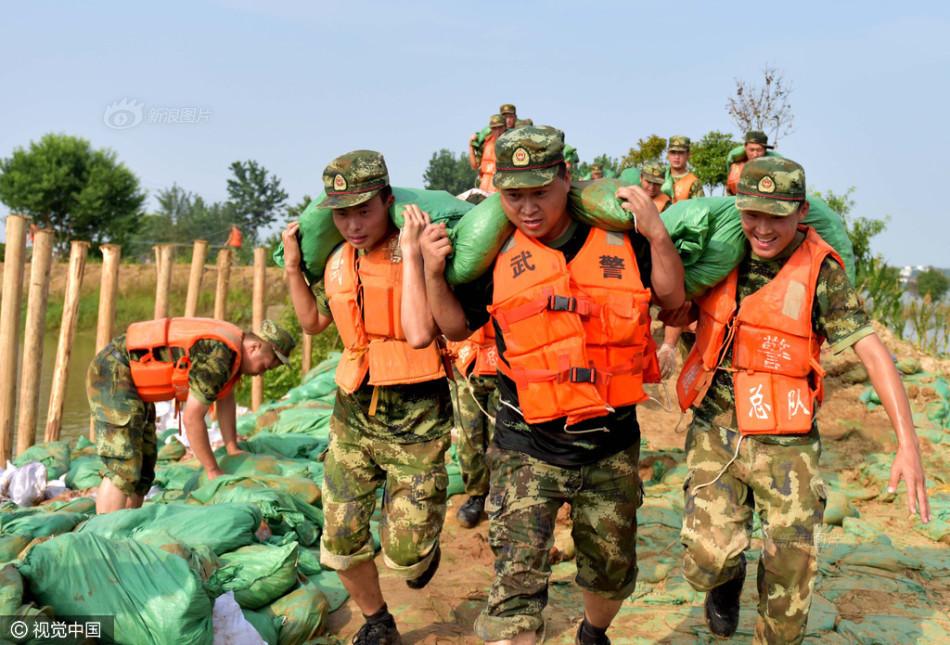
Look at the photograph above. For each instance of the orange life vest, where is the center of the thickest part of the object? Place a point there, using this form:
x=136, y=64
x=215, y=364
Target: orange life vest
x=160, y=380
x=732, y=182
x=682, y=186
x=479, y=350
x=661, y=201
x=365, y=296
x=486, y=169
x=777, y=376
x=577, y=335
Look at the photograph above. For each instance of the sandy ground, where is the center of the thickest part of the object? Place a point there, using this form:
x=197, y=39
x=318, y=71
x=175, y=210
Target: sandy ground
x=445, y=611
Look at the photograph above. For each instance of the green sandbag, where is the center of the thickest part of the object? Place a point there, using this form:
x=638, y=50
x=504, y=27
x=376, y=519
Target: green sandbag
x=153, y=596
x=11, y=545
x=303, y=488
x=286, y=446
x=319, y=236
x=39, y=524
x=257, y=574
x=707, y=233
x=332, y=587
x=85, y=505
x=476, y=240
x=267, y=627
x=302, y=613
x=83, y=448
x=838, y=507
x=84, y=472
x=248, y=464
x=171, y=451
x=54, y=455
x=630, y=176
x=11, y=590
x=177, y=476
x=222, y=527
x=308, y=561
x=201, y=559
x=737, y=155
x=311, y=418
x=284, y=513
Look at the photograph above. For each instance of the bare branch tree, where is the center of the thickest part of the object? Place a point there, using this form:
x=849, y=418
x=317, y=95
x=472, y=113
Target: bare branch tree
x=763, y=107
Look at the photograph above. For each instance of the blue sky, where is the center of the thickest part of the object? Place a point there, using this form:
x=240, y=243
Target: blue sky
x=293, y=84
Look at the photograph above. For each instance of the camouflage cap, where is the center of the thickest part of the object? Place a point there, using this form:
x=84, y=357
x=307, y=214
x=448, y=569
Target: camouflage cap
x=772, y=185
x=279, y=338
x=594, y=167
x=496, y=121
x=653, y=172
x=507, y=108
x=354, y=178
x=528, y=157
x=520, y=123
x=679, y=143
x=757, y=136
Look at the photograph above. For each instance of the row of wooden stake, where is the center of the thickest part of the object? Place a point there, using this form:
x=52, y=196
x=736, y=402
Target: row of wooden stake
x=32, y=359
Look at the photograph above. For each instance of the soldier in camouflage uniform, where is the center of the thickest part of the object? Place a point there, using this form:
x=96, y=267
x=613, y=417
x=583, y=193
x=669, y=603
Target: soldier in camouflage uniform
x=776, y=475
x=535, y=468
x=510, y=114
x=686, y=184
x=477, y=404
x=125, y=424
x=390, y=436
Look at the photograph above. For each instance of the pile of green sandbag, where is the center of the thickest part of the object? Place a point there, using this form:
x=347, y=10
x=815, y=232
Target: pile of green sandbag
x=319, y=236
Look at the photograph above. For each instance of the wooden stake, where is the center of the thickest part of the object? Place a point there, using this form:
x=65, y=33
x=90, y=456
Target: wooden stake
x=307, y=354
x=67, y=332
x=33, y=339
x=199, y=253
x=10, y=330
x=257, y=318
x=221, y=290
x=164, y=282
x=108, y=284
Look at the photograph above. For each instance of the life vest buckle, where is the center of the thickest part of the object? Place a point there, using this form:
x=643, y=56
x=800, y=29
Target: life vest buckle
x=583, y=375
x=562, y=303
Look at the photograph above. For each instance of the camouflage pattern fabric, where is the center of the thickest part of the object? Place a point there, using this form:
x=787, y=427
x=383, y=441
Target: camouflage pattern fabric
x=354, y=178
x=528, y=157
x=837, y=316
x=522, y=505
x=411, y=413
x=124, y=424
x=414, y=483
x=211, y=363
x=781, y=483
x=476, y=431
x=772, y=185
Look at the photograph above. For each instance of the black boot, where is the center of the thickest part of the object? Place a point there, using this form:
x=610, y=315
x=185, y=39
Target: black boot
x=722, y=604
x=423, y=580
x=587, y=634
x=470, y=513
x=379, y=629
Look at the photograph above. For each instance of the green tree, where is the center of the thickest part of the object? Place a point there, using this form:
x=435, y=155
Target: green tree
x=932, y=282
x=254, y=199
x=65, y=184
x=448, y=172
x=861, y=230
x=610, y=166
x=649, y=149
x=708, y=157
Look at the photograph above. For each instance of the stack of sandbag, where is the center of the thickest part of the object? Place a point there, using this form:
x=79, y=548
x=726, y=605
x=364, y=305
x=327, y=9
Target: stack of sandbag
x=319, y=236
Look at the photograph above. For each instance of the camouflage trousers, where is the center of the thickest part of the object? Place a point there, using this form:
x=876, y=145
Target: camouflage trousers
x=780, y=482
x=123, y=422
x=476, y=429
x=414, y=484
x=522, y=505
